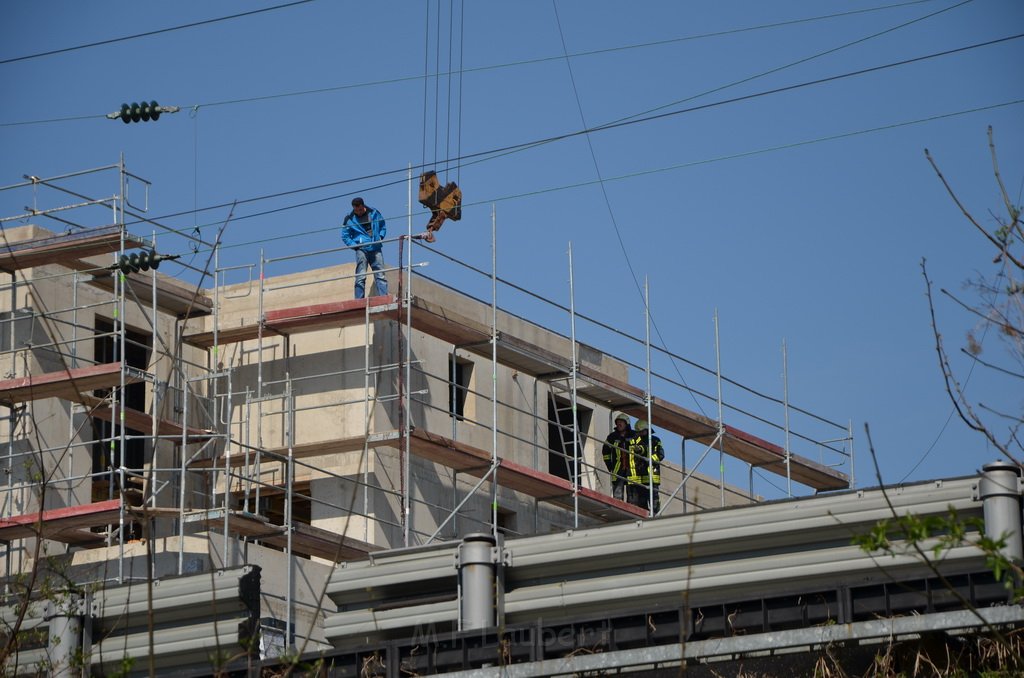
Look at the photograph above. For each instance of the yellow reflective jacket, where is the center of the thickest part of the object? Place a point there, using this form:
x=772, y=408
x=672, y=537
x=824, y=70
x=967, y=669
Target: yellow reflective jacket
x=640, y=461
x=615, y=451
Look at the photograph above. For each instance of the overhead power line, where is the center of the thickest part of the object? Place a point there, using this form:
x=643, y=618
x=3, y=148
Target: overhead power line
x=490, y=67
x=149, y=33
x=481, y=156
x=518, y=196
x=597, y=169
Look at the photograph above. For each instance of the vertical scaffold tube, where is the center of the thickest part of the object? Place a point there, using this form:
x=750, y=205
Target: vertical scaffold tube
x=999, y=489
x=476, y=581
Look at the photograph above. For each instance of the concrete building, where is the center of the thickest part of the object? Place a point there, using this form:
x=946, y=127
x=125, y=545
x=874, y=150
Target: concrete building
x=260, y=465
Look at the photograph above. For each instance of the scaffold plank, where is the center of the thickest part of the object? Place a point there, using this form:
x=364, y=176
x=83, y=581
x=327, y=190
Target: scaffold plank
x=305, y=539
x=443, y=323
x=538, y=361
x=143, y=422
x=543, y=486
x=302, y=450
x=68, y=524
x=66, y=383
x=308, y=317
x=334, y=313
x=694, y=426
x=465, y=459
x=171, y=295
x=65, y=249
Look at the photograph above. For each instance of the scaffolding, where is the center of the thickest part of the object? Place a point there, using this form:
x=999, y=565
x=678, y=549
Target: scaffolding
x=245, y=415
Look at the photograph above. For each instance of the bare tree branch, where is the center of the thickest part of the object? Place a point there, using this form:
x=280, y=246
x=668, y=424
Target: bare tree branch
x=990, y=365
x=953, y=388
x=1012, y=210
x=991, y=238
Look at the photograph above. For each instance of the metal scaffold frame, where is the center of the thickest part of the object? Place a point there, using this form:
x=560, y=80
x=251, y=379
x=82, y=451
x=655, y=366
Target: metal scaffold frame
x=236, y=446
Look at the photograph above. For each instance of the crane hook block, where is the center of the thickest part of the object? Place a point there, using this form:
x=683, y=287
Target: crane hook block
x=444, y=202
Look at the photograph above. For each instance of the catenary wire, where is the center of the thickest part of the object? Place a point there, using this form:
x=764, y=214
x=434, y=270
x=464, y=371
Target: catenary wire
x=593, y=154
x=608, y=202
x=746, y=154
x=480, y=156
x=512, y=64
x=152, y=33
x=426, y=74
x=462, y=43
x=804, y=60
x=518, y=196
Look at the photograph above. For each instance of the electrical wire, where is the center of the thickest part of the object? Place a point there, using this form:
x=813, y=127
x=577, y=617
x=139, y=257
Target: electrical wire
x=564, y=187
x=462, y=42
x=437, y=76
x=478, y=69
x=480, y=156
x=807, y=59
x=448, y=91
x=147, y=34
x=426, y=78
x=608, y=202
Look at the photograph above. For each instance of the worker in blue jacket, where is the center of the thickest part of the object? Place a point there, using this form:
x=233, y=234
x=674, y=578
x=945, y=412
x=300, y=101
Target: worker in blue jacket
x=364, y=229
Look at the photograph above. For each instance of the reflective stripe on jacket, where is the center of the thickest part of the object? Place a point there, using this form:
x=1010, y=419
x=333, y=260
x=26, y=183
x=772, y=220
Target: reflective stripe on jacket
x=615, y=451
x=638, y=459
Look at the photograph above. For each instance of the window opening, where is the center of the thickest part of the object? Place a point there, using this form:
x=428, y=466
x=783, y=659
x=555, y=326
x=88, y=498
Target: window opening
x=459, y=372
x=106, y=450
x=560, y=447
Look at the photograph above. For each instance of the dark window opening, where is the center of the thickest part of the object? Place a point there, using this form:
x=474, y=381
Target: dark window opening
x=561, y=462
x=459, y=372
x=272, y=508
x=106, y=450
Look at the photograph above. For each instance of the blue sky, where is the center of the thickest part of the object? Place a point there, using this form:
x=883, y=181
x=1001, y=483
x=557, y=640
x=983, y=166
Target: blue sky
x=799, y=215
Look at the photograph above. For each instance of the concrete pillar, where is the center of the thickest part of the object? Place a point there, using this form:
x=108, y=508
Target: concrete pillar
x=999, y=489
x=476, y=581
x=64, y=617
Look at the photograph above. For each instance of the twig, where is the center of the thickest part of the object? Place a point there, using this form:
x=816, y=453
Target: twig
x=921, y=554
x=991, y=366
x=1011, y=209
x=995, y=241
x=963, y=409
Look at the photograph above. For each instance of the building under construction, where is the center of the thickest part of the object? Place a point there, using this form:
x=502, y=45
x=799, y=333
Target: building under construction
x=220, y=474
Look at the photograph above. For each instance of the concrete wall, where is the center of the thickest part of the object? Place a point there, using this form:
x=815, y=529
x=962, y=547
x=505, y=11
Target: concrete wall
x=49, y=443
x=313, y=387
x=345, y=382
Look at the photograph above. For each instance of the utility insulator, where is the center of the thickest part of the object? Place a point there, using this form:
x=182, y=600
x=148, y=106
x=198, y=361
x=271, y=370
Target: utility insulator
x=141, y=261
x=145, y=112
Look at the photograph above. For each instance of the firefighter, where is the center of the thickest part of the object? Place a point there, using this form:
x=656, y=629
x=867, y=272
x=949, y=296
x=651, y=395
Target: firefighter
x=615, y=452
x=644, y=468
